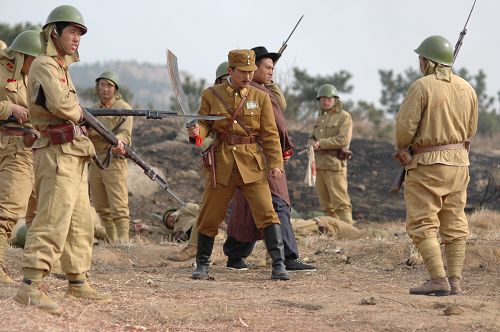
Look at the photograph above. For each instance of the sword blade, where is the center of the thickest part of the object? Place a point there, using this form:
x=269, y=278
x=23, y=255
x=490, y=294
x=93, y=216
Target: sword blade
x=173, y=73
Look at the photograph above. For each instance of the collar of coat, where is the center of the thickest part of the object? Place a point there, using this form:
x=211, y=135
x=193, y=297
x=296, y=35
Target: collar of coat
x=231, y=90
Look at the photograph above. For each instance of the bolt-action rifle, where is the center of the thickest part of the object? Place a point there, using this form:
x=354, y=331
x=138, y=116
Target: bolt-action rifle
x=149, y=114
x=398, y=181
x=95, y=124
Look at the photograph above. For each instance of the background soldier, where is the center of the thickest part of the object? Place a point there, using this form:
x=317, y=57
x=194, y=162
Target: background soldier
x=63, y=226
x=437, y=117
x=239, y=162
x=108, y=187
x=242, y=233
x=332, y=134
x=16, y=157
x=221, y=73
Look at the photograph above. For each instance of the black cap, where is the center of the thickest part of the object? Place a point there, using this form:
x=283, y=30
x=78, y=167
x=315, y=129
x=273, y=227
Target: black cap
x=261, y=53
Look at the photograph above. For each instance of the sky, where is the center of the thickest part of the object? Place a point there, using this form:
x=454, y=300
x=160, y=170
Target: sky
x=359, y=36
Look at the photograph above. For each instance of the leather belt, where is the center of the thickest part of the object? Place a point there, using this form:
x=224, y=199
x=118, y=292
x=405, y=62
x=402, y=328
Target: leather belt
x=423, y=149
x=11, y=131
x=329, y=151
x=76, y=130
x=236, y=139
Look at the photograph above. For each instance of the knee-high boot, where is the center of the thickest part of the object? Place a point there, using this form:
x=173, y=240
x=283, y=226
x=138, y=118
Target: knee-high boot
x=275, y=248
x=205, y=246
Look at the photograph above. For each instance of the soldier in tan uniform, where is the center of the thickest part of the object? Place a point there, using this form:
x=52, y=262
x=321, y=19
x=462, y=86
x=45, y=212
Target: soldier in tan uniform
x=62, y=228
x=330, y=139
x=16, y=157
x=239, y=162
x=438, y=115
x=108, y=187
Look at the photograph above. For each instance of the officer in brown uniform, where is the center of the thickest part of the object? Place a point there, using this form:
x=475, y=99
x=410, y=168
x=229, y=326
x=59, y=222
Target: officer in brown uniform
x=63, y=225
x=108, y=187
x=239, y=162
x=436, y=119
x=331, y=138
x=16, y=138
x=241, y=226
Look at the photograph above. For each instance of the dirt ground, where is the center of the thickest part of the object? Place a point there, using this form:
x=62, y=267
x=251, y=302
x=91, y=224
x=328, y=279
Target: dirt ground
x=360, y=285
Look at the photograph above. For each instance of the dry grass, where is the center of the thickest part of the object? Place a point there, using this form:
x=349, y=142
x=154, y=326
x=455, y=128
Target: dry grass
x=486, y=144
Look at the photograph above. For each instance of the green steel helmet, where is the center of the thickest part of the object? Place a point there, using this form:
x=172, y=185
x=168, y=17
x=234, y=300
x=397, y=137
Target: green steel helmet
x=20, y=239
x=66, y=13
x=327, y=90
x=437, y=49
x=110, y=76
x=27, y=42
x=221, y=70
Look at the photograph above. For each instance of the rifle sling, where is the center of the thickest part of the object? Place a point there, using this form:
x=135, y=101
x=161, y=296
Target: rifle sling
x=230, y=110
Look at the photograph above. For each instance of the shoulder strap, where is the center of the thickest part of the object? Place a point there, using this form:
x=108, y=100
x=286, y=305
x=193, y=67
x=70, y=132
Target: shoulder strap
x=230, y=110
x=234, y=115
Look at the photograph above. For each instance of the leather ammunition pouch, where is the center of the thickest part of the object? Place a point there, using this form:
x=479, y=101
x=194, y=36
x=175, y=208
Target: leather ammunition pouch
x=403, y=156
x=63, y=133
x=28, y=134
x=344, y=154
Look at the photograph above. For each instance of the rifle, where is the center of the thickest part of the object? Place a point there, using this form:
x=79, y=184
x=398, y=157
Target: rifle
x=285, y=43
x=95, y=124
x=149, y=114
x=398, y=181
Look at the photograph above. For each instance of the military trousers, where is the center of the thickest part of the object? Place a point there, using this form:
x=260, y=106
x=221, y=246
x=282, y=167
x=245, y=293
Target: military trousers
x=435, y=197
x=63, y=227
x=16, y=186
x=331, y=187
x=216, y=201
x=109, y=190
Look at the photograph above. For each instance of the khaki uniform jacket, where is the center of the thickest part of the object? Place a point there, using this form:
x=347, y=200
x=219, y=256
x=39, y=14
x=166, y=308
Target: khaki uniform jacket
x=61, y=105
x=124, y=132
x=333, y=130
x=257, y=114
x=440, y=108
x=13, y=86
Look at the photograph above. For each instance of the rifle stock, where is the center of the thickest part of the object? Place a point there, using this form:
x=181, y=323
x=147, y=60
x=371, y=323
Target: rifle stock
x=95, y=124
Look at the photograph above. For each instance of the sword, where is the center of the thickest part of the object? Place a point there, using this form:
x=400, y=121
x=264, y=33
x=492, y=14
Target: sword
x=173, y=74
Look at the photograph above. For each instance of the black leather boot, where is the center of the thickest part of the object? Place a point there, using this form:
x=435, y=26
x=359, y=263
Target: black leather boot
x=205, y=246
x=275, y=248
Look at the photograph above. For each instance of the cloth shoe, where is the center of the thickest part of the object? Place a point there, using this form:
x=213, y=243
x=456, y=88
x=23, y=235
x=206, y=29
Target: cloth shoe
x=438, y=287
x=455, y=285
x=81, y=289
x=30, y=294
x=296, y=265
x=110, y=228
x=275, y=248
x=183, y=255
x=205, y=246
x=237, y=264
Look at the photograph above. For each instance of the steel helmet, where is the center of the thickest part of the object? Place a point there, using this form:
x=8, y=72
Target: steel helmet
x=327, y=90
x=66, y=13
x=110, y=76
x=437, y=49
x=221, y=70
x=27, y=42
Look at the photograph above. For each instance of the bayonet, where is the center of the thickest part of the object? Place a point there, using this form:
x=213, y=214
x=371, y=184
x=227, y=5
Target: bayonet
x=285, y=43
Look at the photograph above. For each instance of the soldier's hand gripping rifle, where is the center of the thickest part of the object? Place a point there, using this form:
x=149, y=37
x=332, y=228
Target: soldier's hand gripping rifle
x=398, y=181
x=285, y=43
x=95, y=124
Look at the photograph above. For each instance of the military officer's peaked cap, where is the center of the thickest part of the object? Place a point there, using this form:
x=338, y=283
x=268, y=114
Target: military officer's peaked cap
x=242, y=59
x=262, y=53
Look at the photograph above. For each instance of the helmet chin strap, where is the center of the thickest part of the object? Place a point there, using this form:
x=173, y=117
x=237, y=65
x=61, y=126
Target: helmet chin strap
x=59, y=43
